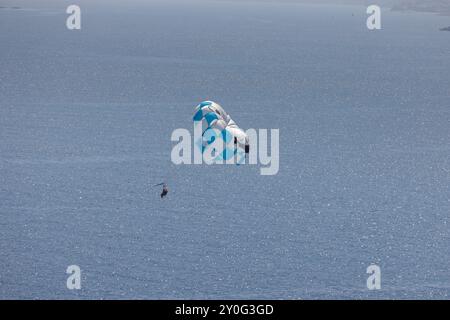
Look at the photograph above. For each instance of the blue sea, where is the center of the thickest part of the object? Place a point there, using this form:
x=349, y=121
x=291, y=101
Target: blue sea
x=86, y=118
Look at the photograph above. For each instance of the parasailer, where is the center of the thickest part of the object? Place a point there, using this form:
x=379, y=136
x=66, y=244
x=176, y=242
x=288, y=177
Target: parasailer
x=165, y=190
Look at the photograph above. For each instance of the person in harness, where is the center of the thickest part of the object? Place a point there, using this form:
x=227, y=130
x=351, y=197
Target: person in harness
x=165, y=190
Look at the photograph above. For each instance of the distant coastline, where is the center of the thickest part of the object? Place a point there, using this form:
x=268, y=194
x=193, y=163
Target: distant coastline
x=440, y=7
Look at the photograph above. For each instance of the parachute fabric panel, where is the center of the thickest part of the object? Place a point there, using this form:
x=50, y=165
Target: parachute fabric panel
x=213, y=116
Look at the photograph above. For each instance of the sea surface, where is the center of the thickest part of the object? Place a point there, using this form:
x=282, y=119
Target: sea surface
x=86, y=118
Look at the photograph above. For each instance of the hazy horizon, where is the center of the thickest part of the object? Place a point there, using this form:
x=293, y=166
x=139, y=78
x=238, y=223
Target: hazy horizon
x=435, y=6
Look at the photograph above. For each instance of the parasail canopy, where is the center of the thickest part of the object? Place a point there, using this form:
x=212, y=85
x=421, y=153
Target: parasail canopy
x=213, y=116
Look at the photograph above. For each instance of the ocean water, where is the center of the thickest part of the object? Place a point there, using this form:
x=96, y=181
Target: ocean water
x=85, y=123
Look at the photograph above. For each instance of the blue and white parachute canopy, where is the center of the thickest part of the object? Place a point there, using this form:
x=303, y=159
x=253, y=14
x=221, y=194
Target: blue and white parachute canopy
x=213, y=116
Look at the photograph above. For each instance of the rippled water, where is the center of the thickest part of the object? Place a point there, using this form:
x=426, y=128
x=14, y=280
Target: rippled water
x=85, y=124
